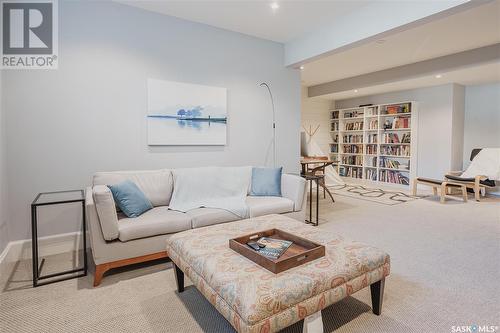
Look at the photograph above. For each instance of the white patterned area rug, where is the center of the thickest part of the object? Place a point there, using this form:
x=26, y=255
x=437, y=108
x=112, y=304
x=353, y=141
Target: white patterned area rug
x=372, y=194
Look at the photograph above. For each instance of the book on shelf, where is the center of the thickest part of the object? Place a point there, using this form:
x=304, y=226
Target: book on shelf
x=353, y=138
x=353, y=149
x=397, y=108
x=354, y=114
x=371, y=149
x=335, y=115
x=394, y=177
x=354, y=126
x=274, y=248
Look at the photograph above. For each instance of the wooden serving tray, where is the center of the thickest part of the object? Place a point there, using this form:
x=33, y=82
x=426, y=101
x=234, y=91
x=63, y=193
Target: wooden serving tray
x=300, y=252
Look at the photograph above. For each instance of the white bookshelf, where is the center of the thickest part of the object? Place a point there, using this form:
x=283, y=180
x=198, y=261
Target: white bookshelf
x=360, y=139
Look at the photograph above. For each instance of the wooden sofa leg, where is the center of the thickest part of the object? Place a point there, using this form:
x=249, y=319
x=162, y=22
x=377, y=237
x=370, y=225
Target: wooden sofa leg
x=377, y=291
x=99, y=272
x=414, y=189
x=179, y=278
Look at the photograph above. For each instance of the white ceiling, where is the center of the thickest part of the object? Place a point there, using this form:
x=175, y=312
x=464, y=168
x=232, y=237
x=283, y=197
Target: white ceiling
x=466, y=76
x=476, y=27
x=293, y=19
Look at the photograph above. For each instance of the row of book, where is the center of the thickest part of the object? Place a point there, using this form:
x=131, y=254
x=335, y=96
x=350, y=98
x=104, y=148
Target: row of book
x=353, y=138
x=371, y=174
x=334, y=148
x=353, y=149
x=354, y=126
x=394, y=138
x=395, y=150
x=372, y=138
x=334, y=126
x=397, y=108
x=373, y=124
x=371, y=111
x=352, y=160
x=389, y=163
x=372, y=161
x=394, y=164
x=354, y=172
x=371, y=149
x=401, y=122
x=394, y=177
x=335, y=115
x=354, y=114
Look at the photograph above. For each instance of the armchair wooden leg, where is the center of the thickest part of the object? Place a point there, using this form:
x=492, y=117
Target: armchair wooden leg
x=377, y=292
x=443, y=193
x=464, y=193
x=414, y=190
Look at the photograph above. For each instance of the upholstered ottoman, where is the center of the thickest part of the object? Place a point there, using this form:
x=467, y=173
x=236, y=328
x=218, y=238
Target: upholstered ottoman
x=253, y=299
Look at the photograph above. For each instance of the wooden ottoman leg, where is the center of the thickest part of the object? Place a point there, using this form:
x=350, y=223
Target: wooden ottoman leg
x=464, y=192
x=313, y=323
x=179, y=278
x=377, y=291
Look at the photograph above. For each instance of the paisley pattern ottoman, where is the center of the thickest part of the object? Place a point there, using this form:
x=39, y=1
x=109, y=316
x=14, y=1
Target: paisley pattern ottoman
x=255, y=300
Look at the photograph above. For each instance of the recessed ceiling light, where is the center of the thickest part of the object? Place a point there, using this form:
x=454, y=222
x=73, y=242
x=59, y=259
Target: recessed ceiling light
x=301, y=67
x=355, y=90
x=438, y=76
x=274, y=5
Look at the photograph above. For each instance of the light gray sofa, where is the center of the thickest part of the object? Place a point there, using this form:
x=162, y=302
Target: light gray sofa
x=119, y=241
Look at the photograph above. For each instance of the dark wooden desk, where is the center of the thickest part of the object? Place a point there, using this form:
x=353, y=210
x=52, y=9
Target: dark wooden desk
x=323, y=163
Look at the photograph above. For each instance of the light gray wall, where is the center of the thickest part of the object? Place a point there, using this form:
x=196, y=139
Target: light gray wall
x=435, y=124
x=89, y=115
x=457, y=130
x=4, y=232
x=482, y=118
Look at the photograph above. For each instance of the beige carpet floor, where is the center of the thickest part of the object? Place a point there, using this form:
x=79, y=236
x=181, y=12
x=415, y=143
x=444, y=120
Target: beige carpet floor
x=445, y=272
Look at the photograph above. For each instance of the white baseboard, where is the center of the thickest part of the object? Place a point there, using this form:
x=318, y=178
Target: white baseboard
x=50, y=245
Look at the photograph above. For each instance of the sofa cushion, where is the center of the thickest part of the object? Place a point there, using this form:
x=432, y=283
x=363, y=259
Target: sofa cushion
x=157, y=221
x=202, y=217
x=266, y=182
x=259, y=206
x=130, y=198
x=157, y=185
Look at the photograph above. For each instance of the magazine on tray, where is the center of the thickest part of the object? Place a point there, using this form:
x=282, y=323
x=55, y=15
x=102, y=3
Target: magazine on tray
x=274, y=247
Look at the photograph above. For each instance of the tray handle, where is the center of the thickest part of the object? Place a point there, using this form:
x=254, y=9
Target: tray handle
x=302, y=257
x=254, y=236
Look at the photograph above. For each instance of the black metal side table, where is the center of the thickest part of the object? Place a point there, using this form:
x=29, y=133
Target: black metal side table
x=311, y=179
x=55, y=198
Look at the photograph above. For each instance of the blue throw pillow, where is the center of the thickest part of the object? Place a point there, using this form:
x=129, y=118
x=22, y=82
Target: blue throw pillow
x=130, y=198
x=266, y=182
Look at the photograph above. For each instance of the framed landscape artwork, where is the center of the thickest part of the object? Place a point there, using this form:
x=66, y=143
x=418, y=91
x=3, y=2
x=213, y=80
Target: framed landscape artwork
x=186, y=114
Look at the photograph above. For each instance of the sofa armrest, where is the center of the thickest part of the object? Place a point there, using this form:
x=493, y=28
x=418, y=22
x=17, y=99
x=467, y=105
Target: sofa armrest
x=106, y=211
x=293, y=187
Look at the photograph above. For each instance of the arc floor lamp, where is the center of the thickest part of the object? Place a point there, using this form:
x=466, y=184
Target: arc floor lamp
x=263, y=84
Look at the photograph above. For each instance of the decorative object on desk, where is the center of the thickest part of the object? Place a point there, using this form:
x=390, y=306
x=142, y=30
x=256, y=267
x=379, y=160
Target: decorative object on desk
x=264, y=84
x=373, y=194
x=186, y=114
x=266, y=182
x=130, y=198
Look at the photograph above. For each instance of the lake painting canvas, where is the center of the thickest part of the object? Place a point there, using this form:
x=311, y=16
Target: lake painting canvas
x=186, y=114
